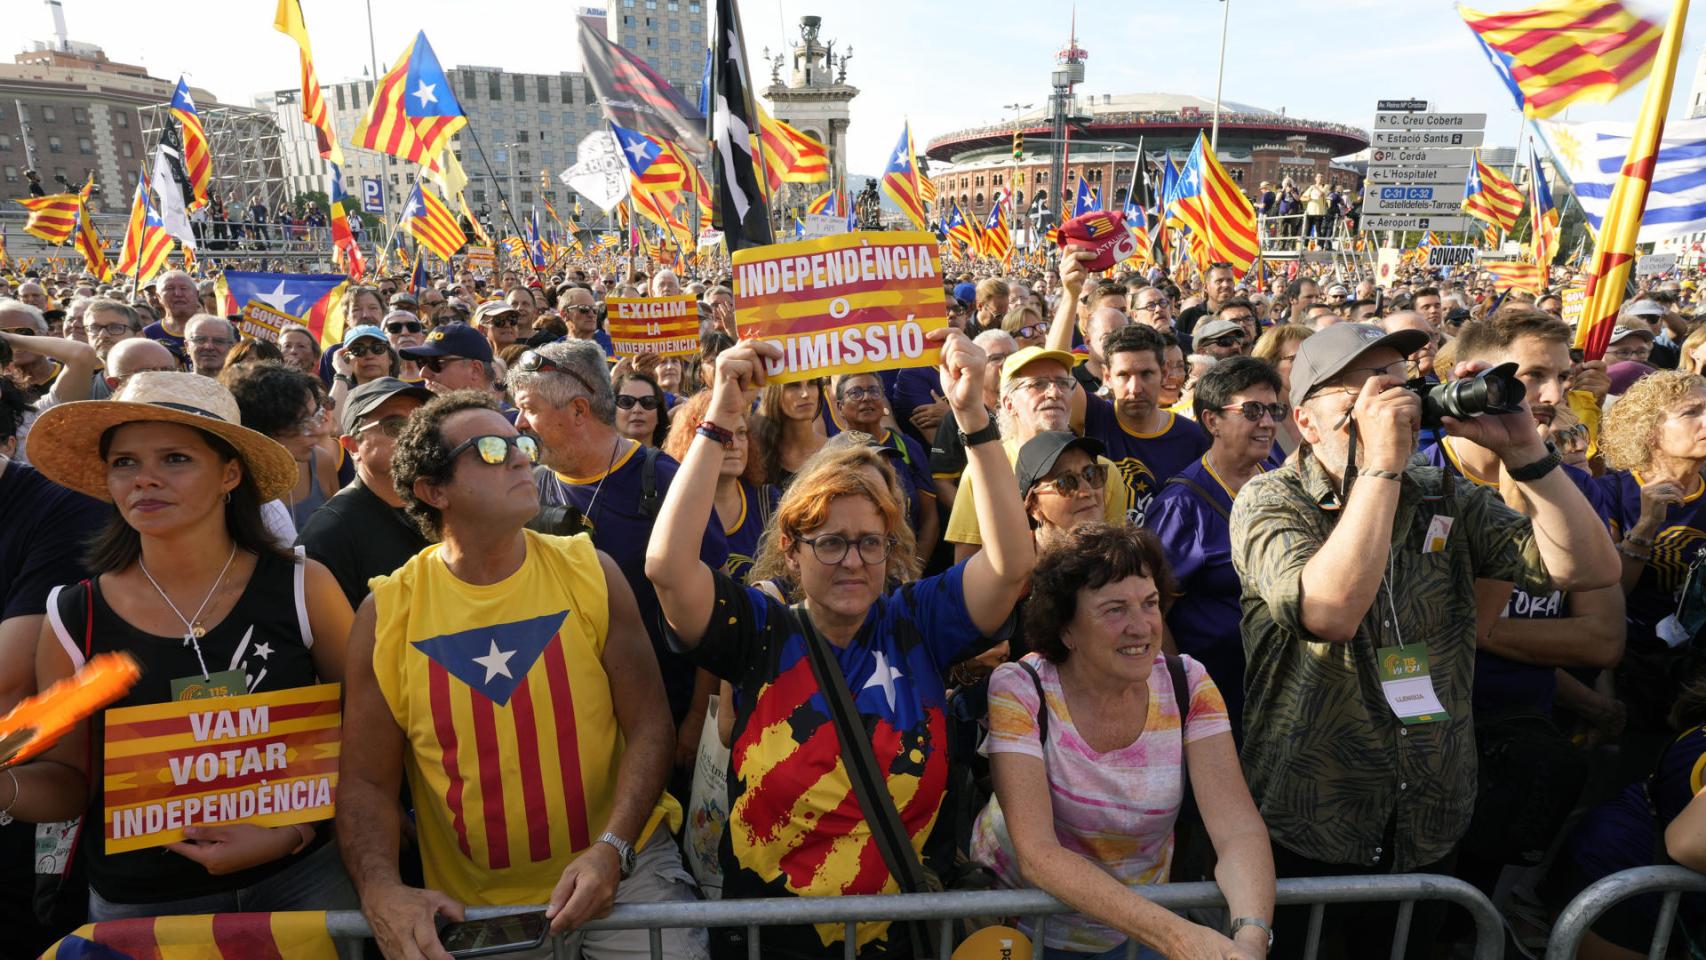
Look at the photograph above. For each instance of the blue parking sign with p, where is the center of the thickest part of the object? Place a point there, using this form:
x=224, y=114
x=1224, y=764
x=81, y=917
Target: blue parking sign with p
x=372, y=195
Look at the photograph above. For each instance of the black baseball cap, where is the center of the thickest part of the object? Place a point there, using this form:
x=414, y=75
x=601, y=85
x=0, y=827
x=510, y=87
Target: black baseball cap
x=451, y=340
x=1037, y=457
x=1327, y=353
x=367, y=398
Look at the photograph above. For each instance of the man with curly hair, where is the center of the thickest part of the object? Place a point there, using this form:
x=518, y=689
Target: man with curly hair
x=509, y=673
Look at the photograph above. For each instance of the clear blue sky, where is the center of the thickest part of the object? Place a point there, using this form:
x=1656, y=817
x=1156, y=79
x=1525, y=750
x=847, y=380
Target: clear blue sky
x=945, y=63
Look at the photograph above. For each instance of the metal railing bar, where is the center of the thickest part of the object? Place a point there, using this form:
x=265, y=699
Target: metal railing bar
x=1401, y=931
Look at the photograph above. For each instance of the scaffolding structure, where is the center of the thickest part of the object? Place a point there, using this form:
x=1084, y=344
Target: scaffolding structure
x=247, y=147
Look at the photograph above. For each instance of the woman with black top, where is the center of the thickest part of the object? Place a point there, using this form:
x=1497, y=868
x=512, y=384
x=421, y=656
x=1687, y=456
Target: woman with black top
x=189, y=582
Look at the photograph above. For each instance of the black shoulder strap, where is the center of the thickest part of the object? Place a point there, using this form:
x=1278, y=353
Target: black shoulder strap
x=1182, y=697
x=650, y=502
x=1042, y=705
x=869, y=785
x=1197, y=488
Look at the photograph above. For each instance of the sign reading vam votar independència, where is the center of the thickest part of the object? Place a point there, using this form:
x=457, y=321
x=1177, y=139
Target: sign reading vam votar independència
x=269, y=759
x=850, y=303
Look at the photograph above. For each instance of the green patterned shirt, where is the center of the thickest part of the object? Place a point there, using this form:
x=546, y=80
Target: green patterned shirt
x=1328, y=762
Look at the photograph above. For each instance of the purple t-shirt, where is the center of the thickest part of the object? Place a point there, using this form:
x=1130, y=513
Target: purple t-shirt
x=912, y=468
x=913, y=387
x=1679, y=542
x=1146, y=460
x=1204, y=618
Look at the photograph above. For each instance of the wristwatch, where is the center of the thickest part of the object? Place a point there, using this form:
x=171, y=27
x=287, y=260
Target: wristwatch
x=1243, y=922
x=986, y=433
x=624, y=850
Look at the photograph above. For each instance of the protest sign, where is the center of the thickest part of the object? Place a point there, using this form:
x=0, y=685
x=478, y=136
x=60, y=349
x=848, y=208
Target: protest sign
x=268, y=759
x=480, y=259
x=261, y=322
x=850, y=303
x=1575, y=297
x=666, y=326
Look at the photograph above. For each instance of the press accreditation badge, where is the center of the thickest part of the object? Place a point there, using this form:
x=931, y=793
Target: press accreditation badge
x=1439, y=533
x=1408, y=687
x=220, y=683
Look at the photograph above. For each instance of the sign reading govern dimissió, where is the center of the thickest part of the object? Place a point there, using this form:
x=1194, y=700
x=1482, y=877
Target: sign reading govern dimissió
x=851, y=303
x=261, y=322
x=270, y=759
x=666, y=326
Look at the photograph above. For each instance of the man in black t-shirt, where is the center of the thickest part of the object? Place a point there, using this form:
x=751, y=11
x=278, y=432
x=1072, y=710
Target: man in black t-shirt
x=362, y=532
x=1222, y=284
x=43, y=528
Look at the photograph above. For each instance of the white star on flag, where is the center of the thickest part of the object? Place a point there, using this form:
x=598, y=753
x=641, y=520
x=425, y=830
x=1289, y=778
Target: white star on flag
x=900, y=157
x=883, y=677
x=277, y=299
x=496, y=663
x=640, y=150
x=412, y=210
x=424, y=93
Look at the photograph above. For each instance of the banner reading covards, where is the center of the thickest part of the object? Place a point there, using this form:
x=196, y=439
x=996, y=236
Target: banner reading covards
x=850, y=303
x=666, y=326
x=269, y=759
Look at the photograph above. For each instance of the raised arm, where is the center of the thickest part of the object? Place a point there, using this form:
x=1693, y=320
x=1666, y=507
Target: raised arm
x=1072, y=276
x=77, y=361
x=995, y=576
x=685, y=587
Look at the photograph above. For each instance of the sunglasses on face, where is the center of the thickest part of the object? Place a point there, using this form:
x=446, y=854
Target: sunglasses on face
x=580, y=309
x=628, y=402
x=437, y=364
x=390, y=426
x=1230, y=340
x=1032, y=330
x=1253, y=410
x=364, y=348
x=403, y=326
x=494, y=449
x=502, y=320
x=1094, y=476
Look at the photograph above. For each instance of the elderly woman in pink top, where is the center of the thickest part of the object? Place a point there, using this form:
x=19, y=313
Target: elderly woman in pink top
x=1090, y=742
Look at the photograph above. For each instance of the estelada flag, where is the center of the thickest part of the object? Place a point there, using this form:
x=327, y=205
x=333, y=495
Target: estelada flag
x=414, y=112
x=52, y=218
x=428, y=220
x=1559, y=52
x=314, y=298
x=264, y=936
x=198, y=156
x=288, y=21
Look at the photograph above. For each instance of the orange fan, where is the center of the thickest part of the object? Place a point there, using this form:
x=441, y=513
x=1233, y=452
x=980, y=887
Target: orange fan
x=37, y=722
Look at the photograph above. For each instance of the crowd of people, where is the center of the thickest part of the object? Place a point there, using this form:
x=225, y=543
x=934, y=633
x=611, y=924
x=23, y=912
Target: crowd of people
x=1151, y=578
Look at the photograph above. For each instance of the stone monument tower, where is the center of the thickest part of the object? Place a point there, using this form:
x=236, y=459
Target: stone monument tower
x=815, y=97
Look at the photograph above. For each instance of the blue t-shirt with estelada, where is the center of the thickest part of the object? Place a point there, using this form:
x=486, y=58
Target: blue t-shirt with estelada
x=1503, y=684
x=611, y=504
x=795, y=826
x=757, y=503
x=1146, y=460
x=1681, y=541
x=1205, y=613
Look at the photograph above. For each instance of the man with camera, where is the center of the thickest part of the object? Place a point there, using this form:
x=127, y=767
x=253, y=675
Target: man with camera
x=1359, y=574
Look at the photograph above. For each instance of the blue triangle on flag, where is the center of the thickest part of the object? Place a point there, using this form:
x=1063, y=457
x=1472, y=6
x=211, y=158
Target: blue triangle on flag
x=494, y=660
x=426, y=91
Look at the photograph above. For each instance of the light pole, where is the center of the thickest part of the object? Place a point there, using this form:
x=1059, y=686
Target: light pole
x=509, y=151
x=1220, y=75
x=1017, y=108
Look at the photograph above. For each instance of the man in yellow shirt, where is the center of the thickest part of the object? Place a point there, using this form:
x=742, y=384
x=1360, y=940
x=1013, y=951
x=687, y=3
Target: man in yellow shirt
x=508, y=673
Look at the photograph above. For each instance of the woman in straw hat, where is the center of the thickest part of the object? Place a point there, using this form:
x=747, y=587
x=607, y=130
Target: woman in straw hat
x=188, y=581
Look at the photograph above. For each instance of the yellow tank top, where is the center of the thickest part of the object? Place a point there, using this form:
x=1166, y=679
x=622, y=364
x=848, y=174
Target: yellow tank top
x=513, y=741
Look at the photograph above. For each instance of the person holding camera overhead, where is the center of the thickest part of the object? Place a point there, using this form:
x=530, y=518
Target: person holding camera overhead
x=1358, y=573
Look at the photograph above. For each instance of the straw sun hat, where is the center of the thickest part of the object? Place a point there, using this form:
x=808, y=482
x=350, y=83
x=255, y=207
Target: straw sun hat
x=65, y=441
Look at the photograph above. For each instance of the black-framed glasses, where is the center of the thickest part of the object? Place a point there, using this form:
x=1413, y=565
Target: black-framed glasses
x=1229, y=340
x=364, y=348
x=1253, y=410
x=106, y=329
x=532, y=361
x=501, y=320
x=831, y=548
x=403, y=326
x=437, y=364
x=494, y=449
x=391, y=426
x=1161, y=304
x=1094, y=476
x=861, y=393
x=627, y=401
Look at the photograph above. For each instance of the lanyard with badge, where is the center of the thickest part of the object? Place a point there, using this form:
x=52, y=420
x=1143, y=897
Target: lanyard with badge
x=1405, y=677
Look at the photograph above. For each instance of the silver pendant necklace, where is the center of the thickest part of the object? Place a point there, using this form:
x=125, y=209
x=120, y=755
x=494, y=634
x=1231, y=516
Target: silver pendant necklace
x=193, y=630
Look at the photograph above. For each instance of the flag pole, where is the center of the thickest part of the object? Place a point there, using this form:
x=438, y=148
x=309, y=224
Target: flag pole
x=503, y=197
x=1220, y=74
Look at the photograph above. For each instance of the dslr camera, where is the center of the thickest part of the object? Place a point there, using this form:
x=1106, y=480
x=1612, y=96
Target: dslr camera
x=1496, y=390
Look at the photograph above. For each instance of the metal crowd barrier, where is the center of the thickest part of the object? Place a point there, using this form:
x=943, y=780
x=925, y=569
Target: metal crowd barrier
x=1577, y=918
x=349, y=928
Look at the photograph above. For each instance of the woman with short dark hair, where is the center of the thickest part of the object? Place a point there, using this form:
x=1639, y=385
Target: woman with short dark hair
x=1089, y=742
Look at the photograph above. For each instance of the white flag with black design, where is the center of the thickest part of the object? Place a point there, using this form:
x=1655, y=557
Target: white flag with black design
x=739, y=209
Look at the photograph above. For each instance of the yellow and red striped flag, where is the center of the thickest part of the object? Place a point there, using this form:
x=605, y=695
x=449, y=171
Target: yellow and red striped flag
x=52, y=218
x=902, y=182
x=996, y=236
x=414, y=112
x=789, y=155
x=198, y=157
x=1558, y=52
x=428, y=220
x=300, y=936
x=91, y=246
x=959, y=230
x=1614, y=254
x=288, y=21
x=146, y=242
x=1517, y=275
x=1210, y=202
x=1489, y=195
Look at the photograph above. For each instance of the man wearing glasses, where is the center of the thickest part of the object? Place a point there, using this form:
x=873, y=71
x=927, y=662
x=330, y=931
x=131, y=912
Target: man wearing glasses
x=404, y=329
x=107, y=323
x=1360, y=613
x=507, y=673
x=209, y=339
x=580, y=311
x=1222, y=284
x=455, y=356
x=1221, y=339
x=1151, y=307
x=361, y=532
